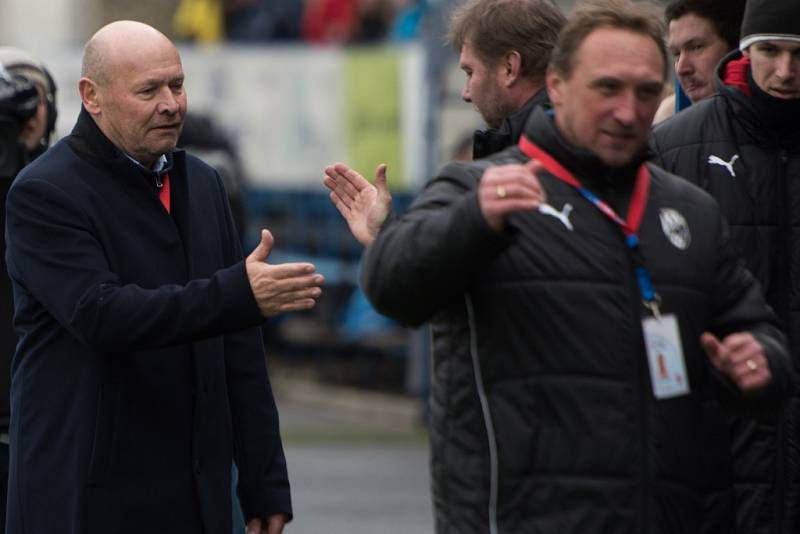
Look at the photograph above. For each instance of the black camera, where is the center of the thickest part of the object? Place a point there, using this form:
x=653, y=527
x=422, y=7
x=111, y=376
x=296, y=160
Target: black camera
x=19, y=99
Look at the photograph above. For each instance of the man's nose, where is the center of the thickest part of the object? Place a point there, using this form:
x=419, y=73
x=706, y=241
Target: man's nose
x=465, y=95
x=625, y=108
x=168, y=102
x=783, y=66
x=684, y=65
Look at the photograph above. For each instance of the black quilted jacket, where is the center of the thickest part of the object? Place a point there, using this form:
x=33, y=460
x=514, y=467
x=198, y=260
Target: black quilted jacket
x=543, y=416
x=723, y=145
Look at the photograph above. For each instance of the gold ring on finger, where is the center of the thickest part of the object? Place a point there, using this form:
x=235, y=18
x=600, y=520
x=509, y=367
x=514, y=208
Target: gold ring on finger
x=753, y=366
x=501, y=192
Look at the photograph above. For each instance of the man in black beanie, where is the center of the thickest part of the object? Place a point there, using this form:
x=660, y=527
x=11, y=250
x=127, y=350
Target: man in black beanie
x=743, y=146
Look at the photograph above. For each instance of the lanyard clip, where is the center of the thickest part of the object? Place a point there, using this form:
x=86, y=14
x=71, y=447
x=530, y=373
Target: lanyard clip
x=654, y=305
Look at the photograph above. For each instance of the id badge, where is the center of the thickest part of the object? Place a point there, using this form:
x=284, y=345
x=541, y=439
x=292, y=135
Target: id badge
x=665, y=356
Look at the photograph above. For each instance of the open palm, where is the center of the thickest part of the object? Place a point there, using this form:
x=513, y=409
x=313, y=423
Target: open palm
x=363, y=205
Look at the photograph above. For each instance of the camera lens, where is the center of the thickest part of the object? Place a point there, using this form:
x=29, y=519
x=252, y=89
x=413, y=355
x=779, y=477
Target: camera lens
x=18, y=102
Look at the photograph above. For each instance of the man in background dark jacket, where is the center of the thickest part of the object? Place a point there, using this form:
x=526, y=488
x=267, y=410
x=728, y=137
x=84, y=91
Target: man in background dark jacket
x=701, y=33
x=140, y=373
x=504, y=48
x=743, y=146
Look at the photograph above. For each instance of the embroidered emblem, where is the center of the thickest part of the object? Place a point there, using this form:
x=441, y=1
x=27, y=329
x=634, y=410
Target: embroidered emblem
x=562, y=215
x=675, y=228
x=716, y=160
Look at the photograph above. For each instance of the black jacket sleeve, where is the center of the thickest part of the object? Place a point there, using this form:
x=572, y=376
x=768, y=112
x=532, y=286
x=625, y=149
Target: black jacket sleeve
x=52, y=251
x=740, y=306
x=427, y=256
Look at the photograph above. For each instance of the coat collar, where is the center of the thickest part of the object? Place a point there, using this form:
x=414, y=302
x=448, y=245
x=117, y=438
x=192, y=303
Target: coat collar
x=767, y=120
x=487, y=142
x=87, y=139
x=612, y=184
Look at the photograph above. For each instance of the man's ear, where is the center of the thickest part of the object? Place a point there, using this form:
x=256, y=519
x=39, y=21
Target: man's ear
x=555, y=86
x=90, y=95
x=512, y=68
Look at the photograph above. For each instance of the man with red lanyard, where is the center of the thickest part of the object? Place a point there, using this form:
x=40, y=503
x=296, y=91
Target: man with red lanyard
x=590, y=320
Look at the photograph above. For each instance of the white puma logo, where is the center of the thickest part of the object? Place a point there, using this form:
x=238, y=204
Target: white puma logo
x=716, y=160
x=562, y=215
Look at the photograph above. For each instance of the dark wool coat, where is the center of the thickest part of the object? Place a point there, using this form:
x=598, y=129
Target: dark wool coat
x=8, y=339
x=140, y=374
x=543, y=415
x=723, y=145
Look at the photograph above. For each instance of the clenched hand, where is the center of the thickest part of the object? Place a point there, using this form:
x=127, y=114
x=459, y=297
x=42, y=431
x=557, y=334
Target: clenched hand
x=505, y=189
x=739, y=357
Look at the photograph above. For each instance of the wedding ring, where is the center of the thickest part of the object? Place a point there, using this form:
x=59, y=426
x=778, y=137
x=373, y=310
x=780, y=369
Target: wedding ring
x=501, y=192
x=751, y=365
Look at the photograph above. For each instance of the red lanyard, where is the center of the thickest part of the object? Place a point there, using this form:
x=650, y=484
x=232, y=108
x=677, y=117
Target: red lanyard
x=638, y=200
x=629, y=227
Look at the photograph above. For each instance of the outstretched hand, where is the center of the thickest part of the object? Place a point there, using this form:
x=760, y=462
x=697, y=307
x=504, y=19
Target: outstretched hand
x=364, y=206
x=740, y=358
x=284, y=287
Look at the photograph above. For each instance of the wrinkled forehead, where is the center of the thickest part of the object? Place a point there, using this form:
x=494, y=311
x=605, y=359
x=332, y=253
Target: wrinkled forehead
x=690, y=27
x=162, y=62
x=469, y=56
x=616, y=52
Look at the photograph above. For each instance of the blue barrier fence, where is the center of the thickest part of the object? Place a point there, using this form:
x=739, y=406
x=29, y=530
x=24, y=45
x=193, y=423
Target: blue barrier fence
x=308, y=227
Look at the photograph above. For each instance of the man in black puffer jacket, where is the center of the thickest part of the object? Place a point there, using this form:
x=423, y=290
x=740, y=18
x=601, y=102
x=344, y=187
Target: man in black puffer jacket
x=582, y=362
x=743, y=147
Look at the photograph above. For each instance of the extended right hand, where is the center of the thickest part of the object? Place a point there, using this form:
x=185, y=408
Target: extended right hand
x=281, y=288
x=364, y=206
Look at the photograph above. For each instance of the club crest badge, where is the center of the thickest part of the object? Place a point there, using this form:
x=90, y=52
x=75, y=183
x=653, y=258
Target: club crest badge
x=675, y=228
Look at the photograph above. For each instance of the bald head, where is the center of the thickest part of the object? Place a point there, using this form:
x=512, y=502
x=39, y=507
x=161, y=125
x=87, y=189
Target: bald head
x=120, y=44
x=132, y=86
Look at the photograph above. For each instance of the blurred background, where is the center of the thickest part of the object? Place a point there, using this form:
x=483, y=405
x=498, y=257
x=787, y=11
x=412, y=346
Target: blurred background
x=277, y=90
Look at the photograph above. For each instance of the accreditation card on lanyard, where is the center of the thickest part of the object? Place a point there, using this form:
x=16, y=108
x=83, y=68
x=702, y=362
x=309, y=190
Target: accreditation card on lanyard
x=661, y=334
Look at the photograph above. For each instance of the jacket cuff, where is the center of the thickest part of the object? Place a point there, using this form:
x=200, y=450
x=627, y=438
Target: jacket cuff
x=780, y=368
x=239, y=301
x=266, y=503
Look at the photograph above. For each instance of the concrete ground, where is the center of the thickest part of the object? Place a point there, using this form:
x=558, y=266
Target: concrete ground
x=358, y=461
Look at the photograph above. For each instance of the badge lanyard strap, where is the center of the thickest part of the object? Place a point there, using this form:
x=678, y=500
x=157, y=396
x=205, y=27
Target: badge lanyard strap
x=630, y=227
